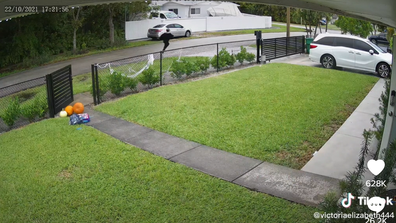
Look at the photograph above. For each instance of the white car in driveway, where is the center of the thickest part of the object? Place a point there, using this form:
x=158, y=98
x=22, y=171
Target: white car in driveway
x=336, y=50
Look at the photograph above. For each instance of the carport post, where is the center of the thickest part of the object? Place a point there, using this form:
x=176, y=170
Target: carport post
x=389, y=134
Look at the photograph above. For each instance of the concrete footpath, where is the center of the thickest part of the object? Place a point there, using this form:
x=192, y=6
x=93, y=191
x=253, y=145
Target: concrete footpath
x=294, y=185
x=340, y=154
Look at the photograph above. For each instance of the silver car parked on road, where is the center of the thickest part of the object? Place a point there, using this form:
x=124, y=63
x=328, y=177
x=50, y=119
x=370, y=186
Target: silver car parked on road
x=177, y=30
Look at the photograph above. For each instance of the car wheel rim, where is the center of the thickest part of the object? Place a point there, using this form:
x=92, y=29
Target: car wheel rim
x=383, y=70
x=328, y=62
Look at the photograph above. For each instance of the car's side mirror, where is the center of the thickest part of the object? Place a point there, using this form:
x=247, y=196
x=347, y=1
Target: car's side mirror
x=371, y=52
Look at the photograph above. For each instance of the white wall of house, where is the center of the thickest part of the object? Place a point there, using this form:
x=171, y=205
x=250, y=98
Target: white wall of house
x=183, y=10
x=138, y=29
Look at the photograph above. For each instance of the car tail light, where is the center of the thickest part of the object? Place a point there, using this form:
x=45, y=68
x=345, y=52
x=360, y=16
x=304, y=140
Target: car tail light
x=312, y=46
x=158, y=30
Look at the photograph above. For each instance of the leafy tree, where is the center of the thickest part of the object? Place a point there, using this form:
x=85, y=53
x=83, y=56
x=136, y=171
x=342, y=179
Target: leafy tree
x=137, y=10
x=278, y=13
x=310, y=18
x=354, y=26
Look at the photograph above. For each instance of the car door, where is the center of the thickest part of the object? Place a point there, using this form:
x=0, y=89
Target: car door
x=172, y=29
x=343, y=52
x=180, y=30
x=363, y=59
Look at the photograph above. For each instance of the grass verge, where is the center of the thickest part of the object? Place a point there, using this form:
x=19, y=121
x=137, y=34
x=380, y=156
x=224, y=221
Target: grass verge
x=53, y=172
x=275, y=29
x=278, y=113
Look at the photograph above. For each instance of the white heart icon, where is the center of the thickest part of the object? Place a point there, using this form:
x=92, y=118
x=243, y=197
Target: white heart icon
x=376, y=166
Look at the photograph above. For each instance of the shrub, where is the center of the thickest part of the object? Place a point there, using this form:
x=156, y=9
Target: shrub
x=30, y=111
x=177, y=69
x=231, y=60
x=116, y=83
x=250, y=57
x=241, y=56
x=225, y=59
x=12, y=112
x=203, y=64
x=190, y=67
x=42, y=106
x=149, y=77
x=130, y=83
x=103, y=87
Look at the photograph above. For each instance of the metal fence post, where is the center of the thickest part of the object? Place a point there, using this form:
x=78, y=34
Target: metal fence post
x=50, y=95
x=71, y=82
x=295, y=44
x=217, y=57
x=161, y=68
x=97, y=84
x=287, y=45
x=93, y=84
x=303, y=44
x=275, y=47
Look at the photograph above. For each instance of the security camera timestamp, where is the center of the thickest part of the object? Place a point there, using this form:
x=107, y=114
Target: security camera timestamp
x=35, y=9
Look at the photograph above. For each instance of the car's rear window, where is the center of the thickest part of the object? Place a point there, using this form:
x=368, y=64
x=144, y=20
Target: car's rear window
x=329, y=41
x=159, y=26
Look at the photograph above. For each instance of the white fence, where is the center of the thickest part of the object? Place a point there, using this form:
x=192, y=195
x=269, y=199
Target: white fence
x=138, y=29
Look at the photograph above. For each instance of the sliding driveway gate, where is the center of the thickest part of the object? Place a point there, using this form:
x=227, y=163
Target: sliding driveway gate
x=281, y=47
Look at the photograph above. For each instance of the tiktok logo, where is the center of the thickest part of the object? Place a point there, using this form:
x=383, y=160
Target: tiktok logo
x=347, y=202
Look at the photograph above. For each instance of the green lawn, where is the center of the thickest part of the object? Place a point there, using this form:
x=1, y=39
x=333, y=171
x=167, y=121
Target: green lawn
x=278, y=113
x=276, y=29
x=53, y=172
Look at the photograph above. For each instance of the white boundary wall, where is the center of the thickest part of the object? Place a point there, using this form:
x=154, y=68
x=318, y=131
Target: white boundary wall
x=138, y=29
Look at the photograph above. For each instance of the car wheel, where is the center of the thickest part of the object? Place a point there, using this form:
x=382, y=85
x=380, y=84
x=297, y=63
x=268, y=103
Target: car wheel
x=188, y=34
x=374, y=41
x=383, y=70
x=328, y=61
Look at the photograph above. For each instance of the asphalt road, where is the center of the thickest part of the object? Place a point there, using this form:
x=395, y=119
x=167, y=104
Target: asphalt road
x=83, y=65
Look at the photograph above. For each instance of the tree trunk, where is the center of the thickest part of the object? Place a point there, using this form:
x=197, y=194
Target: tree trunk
x=316, y=28
x=74, y=39
x=75, y=27
x=111, y=26
x=327, y=22
x=288, y=22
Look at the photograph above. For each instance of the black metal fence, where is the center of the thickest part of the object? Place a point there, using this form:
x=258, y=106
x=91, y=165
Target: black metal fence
x=281, y=47
x=59, y=90
x=116, y=78
x=23, y=103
